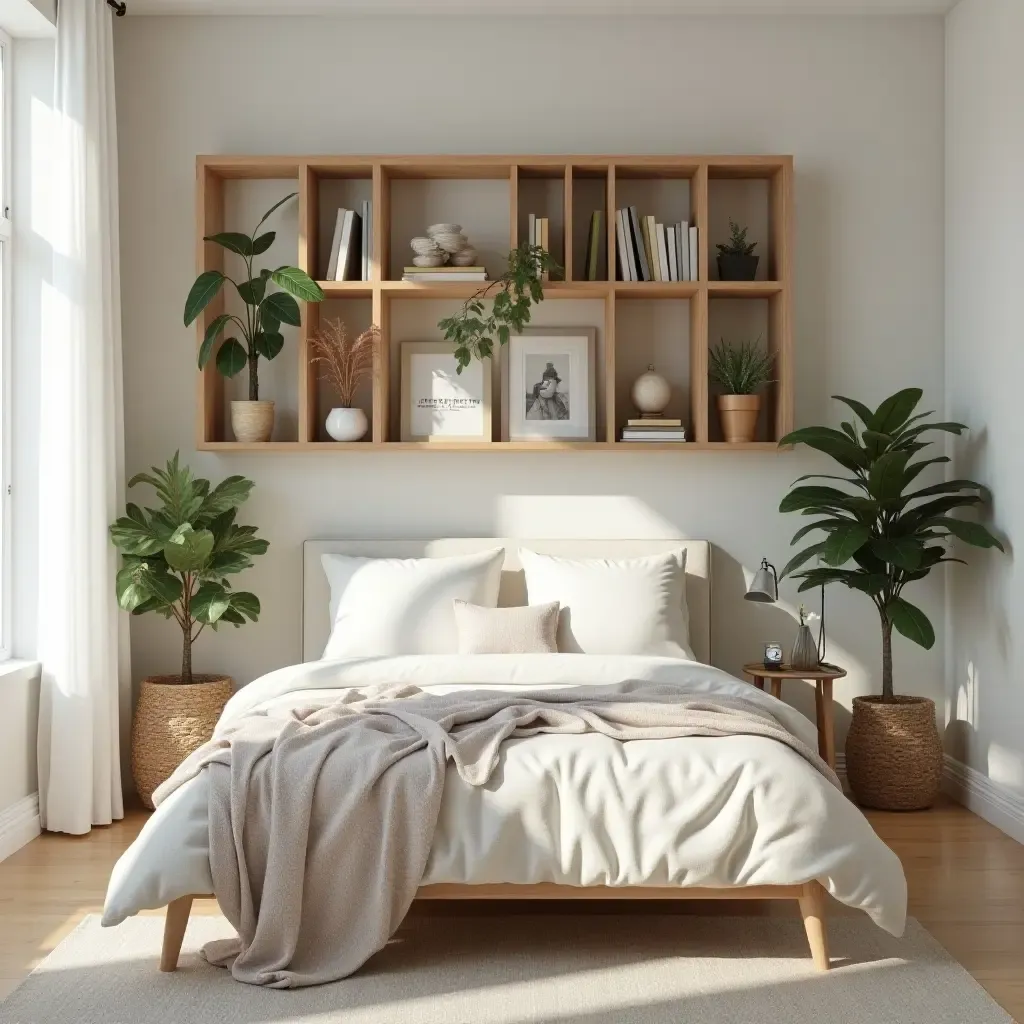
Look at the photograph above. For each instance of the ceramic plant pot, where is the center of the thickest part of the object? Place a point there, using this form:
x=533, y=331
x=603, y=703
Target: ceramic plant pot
x=171, y=720
x=252, y=422
x=738, y=414
x=737, y=267
x=347, y=424
x=893, y=753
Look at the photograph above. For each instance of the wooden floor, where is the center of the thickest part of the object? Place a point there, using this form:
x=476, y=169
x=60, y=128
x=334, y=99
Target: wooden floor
x=966, y=887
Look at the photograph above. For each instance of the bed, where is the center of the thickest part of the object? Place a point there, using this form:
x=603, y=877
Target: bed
x=710, y=818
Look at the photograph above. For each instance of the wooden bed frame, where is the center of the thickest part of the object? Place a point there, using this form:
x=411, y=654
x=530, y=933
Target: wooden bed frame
x=810, y=896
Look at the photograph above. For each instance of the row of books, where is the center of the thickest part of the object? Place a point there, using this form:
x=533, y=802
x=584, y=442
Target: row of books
x=538, y=235
x=431, y=274
x=649, y=251
x=648, y=429
x=352, y=246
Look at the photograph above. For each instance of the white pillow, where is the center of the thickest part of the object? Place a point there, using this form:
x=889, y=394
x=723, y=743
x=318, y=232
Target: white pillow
x=391, y=606
x=633, y=606
x=526, y=629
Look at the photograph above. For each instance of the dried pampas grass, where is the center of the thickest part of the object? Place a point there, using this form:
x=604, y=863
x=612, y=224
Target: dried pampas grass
x=345, y=363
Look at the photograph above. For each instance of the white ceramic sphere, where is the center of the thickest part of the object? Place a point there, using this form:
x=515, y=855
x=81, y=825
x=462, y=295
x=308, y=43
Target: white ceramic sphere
x=347, y=424
x=651, y=392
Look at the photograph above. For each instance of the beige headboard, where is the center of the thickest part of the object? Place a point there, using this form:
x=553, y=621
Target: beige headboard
x=316, y=625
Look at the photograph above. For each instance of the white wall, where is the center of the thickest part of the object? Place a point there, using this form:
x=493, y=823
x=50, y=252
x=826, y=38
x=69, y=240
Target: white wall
x=984, y=368
x=859, y=102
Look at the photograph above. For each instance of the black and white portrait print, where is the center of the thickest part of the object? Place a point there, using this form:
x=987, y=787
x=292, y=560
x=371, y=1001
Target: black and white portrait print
x=547, y=379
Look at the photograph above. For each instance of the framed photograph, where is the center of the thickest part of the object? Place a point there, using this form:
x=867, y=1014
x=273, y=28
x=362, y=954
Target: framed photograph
x=548, y=385
x=440, y=404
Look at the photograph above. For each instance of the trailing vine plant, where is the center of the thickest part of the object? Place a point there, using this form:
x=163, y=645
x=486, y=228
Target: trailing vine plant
x=473, y=331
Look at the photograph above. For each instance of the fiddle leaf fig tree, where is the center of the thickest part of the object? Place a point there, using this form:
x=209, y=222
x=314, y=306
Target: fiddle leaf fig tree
x=878, y=533
x=176, y=558
x=265, y=309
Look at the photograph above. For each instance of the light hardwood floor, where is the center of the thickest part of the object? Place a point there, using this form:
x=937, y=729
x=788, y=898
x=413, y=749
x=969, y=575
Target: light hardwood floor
x=966, y=887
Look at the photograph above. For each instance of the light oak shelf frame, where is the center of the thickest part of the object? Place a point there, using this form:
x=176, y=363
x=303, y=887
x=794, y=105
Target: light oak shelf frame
x=378, y=172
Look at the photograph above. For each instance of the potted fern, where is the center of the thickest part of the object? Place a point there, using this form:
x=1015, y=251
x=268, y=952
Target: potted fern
x=740, y=371
x=736, y=259
x=880, y=534
x=175, y=561
x=265, y=310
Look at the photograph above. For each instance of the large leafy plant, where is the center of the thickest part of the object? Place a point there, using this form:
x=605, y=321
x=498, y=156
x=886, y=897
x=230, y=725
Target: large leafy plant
x=176, y=558
x=473, y=331
x=892, y=533
x=265, y=309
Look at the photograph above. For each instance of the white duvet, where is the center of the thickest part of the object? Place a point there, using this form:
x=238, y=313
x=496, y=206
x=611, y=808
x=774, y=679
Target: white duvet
x=578, y=809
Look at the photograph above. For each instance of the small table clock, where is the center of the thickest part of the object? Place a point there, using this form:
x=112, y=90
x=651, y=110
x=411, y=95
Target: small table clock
x=772, y=654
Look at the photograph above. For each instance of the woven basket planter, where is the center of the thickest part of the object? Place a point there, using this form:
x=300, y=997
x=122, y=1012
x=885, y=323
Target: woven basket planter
x=893, y=753
x=171, y=720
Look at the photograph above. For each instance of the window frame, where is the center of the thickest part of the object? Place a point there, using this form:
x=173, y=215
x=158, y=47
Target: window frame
x=6, y=391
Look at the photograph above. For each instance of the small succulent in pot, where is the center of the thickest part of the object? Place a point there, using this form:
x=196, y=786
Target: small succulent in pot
x=346, y=363
x=736, y=259
x=740, y=371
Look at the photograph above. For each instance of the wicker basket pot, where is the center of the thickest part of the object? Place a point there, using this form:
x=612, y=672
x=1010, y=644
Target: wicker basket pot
x=171, y=720
x=893, y=753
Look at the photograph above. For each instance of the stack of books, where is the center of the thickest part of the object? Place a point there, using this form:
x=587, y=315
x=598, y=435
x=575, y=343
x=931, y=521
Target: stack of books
x=653, y=429
x=538, y=231
x=352, y=247
x=593, y=245
x=427, y=274
x=649, y=251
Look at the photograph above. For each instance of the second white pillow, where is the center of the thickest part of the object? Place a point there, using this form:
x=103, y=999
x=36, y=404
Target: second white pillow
x=631, y=606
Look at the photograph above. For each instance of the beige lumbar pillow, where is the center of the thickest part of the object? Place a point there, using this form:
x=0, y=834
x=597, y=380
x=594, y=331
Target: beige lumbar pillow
x=528, y=629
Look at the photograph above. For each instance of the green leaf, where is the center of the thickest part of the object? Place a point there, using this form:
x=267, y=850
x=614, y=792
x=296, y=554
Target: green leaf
x=885, y=479
x=233, y=240
x=210, y=602
x=895, y=410
x=844, y=542
x=279, y=203
x=231, y=358
x=874, y=442
x=202, y=294
x=819, y=497
x=245, y=604
x=813, y=578
x=945, y=427
x=251, y=292
x=913, y=471
x=831, y=442
x=970, y=533
x=282, y=308
x=946, y=487
x=263, y=243
x=868, y=583
x=298, y=283
x=140, y=583
x=225, y=497
x=903, y=552
x=821, y=524
x=911, y=622
x=134, y=538
x=800, y=558
x=864, y=414
x=190, y=550
x=213, y=332
x=268, y=344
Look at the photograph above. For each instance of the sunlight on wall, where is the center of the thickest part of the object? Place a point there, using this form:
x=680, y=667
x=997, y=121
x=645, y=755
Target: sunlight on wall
x=1006, y=767
x=561, y=516
x=41, y=215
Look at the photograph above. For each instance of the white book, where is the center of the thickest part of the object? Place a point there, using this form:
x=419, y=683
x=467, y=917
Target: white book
x=627, y=230
x=662, y=253
x=620, y=249
x=670, y=243
x=365, y=247
x=332, y=264
x=683, y=241
x=346, y=257
x=532, y=231
x=694, y=260
x=638, y=245
x=419, y=278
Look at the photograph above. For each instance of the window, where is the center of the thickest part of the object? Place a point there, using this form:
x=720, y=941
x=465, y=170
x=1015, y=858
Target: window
x=5, y=344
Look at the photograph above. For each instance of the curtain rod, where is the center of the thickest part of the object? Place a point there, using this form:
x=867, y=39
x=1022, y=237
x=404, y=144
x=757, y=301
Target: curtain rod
x=120, y=9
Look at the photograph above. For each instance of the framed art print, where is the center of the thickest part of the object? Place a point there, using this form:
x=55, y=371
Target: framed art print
x=548, y=385
x=440, y=404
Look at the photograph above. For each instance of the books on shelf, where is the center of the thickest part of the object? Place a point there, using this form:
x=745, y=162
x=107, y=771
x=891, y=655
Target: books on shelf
x=367, y=240
x=654, y=421
x=638, y=245
x=350, y=246
x=693, y=254
x=593, y=245
x=435, y=274
x=538, y=234
x=649, y=251
x=662, y=434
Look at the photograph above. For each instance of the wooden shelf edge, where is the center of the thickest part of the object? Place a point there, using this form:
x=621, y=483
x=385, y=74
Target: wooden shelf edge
x=744, y=289
x=236, y=447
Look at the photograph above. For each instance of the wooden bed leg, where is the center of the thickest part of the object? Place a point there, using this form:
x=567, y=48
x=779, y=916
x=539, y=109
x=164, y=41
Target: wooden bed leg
x=174, y=932
x=812, y=909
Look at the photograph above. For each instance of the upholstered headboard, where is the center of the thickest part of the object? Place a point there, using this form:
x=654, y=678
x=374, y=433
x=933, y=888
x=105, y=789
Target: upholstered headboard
x=316, y=625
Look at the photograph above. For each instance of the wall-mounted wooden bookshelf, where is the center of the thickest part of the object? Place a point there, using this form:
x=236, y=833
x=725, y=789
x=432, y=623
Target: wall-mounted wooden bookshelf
x=670, y=324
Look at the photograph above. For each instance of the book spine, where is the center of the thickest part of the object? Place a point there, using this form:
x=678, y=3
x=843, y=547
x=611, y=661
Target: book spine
x=620, y=248
x=662, y=253
x=544, y=242
x=638, y=241
x=364, y=249
x=670, y=243
x=683, y=244
x=651, y=242
x=694, y=259
x=595, y=245
x=627, y=230
x=332, y=265
x=346, y=243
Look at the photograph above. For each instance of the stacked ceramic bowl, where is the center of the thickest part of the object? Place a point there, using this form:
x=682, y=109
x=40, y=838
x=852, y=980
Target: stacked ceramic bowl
x=444, y=244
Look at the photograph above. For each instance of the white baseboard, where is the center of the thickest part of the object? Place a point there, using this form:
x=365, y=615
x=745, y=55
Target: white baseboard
x=19, y=824
x=998, y=805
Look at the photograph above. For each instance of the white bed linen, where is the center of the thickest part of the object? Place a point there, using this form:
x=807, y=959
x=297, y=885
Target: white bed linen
x=578, y=810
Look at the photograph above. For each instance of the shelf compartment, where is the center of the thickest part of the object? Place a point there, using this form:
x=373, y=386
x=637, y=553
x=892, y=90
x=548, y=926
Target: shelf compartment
x=331, y=189
x=588, y=192
x=541, y=189
x=663, y=191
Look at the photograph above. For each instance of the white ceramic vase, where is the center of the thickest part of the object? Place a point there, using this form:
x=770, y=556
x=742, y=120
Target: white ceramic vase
x=651, y=393
x=347, y=424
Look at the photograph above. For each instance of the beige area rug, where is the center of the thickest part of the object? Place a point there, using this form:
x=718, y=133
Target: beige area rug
x=557, y=969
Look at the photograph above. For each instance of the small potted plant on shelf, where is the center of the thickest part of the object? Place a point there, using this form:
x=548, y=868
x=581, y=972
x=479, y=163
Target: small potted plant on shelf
x=741, y=371
x=176, y=560
x=346, y=364
x=265, y=310
x=736, y=259
x=881, y=533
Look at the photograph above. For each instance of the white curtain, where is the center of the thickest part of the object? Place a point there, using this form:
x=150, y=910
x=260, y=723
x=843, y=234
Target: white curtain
x=82, y=641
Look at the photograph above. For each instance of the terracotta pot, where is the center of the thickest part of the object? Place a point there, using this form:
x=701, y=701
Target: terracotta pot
x=738, y=414
x=252, y=422
x=171, y=720
x=893, y=753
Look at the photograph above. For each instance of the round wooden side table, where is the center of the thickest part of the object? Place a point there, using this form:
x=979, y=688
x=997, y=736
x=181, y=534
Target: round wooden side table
x=823, y=677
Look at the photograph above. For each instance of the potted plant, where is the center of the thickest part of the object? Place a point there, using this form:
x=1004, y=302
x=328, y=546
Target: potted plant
x=472, y=333
x=346, y=364
x=736, y=259
x=176, y=560
x=882, y=533
x=265, y=311
x=740, y=371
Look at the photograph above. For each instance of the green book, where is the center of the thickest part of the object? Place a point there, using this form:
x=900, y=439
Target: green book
x=593, y=245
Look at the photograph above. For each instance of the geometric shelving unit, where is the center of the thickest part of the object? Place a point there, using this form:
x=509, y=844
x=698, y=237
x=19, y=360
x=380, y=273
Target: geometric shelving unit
x=669, y=324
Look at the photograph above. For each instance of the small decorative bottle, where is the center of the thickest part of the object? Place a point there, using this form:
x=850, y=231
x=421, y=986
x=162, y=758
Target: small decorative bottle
x=805, y=649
